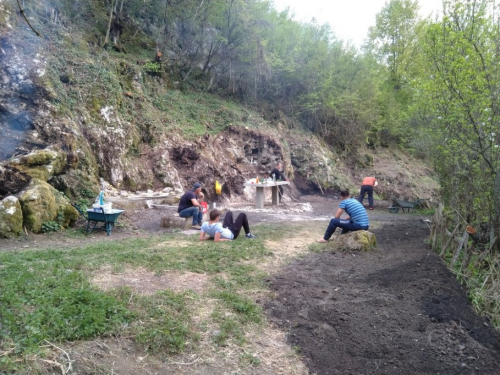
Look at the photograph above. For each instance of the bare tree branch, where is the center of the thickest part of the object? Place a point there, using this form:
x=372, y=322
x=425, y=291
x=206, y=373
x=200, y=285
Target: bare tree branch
x=26, y=19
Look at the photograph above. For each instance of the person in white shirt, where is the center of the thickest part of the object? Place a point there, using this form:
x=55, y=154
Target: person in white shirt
x=227, y=231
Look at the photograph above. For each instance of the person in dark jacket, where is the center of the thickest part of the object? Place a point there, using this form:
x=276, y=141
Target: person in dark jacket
x=277, y=174
x=189, y=206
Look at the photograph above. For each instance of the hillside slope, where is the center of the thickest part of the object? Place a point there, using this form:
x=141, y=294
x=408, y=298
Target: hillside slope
x=72, y=114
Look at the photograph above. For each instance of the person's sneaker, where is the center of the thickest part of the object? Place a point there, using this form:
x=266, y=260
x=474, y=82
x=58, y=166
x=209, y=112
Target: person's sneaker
x=197, y=227
x=250, y=236
x=371, y=208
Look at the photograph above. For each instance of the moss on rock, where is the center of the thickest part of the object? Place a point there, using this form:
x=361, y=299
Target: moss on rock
x=42, y=164
x=361, y=240
x=40, y=203
x=11, y=217
x=318, y=164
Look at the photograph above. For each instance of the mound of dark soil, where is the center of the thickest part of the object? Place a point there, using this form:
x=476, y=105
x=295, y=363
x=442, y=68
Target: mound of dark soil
x=396, y=310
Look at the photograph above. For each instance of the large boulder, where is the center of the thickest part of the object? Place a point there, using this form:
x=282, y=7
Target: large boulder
x=361, y=240
x=11, y=217
x=12, y=180
x=41, y=164
x=41, y=203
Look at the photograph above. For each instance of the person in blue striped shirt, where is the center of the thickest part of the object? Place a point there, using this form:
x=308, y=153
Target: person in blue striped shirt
x=357, y=219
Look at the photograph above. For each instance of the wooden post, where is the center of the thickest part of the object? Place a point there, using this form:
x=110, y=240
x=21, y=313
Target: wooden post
x=452, y=236
x=465, y=238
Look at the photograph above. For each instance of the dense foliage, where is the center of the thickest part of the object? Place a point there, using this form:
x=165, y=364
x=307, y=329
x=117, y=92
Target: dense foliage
x=248, y=50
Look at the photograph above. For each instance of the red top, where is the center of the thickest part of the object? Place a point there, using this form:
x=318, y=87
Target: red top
x=369, y=181
x=204, y=206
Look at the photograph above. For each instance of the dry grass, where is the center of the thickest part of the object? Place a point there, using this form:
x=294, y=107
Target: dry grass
x=264, y=349
x=291, y=247
x=145, y=282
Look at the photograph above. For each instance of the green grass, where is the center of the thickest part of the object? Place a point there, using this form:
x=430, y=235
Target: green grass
x=47, y=294
x=423, y=211
x=201, y=113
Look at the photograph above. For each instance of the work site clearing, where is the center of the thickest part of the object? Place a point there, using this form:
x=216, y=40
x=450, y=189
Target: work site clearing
x=395, y=309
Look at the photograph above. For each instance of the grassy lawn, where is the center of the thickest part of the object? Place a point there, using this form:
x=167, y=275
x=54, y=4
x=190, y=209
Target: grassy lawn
x=48, y=296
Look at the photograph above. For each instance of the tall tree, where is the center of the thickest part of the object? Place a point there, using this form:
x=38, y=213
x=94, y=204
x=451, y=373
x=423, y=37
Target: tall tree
x=392, y=43
x=392, y=39
x=459, y=96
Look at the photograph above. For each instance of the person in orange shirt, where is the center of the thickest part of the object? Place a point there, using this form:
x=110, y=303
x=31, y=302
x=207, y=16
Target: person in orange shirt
x=367, y=187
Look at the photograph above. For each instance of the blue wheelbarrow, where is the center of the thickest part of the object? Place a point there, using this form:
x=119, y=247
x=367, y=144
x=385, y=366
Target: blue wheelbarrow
x=95, y=216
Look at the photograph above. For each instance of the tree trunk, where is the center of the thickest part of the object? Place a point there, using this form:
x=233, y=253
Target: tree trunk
x=106, y=40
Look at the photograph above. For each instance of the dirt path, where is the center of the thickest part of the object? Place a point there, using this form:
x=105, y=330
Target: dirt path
x=396, y=310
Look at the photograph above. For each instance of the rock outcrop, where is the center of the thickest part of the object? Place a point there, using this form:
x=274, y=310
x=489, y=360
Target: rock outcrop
x=11, y=217
x=41, y=203
x=361, y=240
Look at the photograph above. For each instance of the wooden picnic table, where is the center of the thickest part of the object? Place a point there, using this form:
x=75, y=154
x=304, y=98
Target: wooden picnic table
x=259, y=192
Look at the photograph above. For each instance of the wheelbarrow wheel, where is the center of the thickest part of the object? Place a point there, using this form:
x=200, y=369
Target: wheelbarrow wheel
x=109, y=227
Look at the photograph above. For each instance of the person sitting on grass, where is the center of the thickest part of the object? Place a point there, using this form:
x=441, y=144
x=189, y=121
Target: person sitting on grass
x=189, y=206
x=357, y=219
x=227, y=231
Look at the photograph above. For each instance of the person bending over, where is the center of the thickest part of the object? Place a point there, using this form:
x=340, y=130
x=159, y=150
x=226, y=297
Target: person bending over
x=189, y=206
x=227, y=231
x=357, y=219
x=367, y=188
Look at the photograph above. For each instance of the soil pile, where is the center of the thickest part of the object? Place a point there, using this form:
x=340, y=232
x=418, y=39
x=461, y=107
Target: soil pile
x=396, y=310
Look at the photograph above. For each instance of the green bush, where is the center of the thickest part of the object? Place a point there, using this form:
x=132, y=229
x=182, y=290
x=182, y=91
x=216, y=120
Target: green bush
x=50, y=226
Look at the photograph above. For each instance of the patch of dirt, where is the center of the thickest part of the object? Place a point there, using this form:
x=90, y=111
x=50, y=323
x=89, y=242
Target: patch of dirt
x=120, y=355
x=395, y=310
x=145, y=282
x=399, y=175
x=289, y=248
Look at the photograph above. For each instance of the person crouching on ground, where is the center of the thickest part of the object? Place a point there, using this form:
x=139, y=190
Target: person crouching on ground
x=189, y=206
x=227, y=231
x=357, y=219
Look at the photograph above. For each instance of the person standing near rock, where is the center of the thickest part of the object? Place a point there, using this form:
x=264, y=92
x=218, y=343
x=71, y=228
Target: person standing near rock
x=357, y=219
x=189, y=206
x=278, y=175
x=367, y=187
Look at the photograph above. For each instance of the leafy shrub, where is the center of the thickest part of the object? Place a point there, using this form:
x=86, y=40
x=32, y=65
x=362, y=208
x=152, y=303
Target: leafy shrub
x=152, y=67
x=83, y=204
x=87, y=193
x=50, y=226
